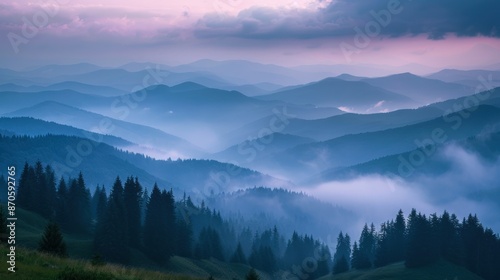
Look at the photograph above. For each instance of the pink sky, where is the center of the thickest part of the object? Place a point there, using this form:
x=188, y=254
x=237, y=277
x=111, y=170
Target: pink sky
x=282, y=32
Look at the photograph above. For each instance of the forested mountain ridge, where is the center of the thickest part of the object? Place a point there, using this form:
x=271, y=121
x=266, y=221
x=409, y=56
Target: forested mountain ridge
x=68, y=155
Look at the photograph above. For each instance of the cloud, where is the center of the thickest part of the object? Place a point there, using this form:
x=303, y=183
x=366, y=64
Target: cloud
x=268, y=31
x=469, y=186
x=373, y=198
x=436, y=19
x=333, y=19
x=88, y=23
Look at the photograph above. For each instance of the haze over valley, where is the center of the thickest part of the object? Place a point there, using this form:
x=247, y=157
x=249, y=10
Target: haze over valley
x=240, y=139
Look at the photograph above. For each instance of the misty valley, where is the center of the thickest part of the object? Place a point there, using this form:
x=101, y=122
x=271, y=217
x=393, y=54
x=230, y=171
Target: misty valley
x=151, y=171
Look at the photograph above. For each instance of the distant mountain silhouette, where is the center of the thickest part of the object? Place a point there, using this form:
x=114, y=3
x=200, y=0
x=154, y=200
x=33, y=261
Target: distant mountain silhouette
x=35, y=127
x=142, y=135
x=75, y=86
x=486, y=146
x=358, y=148
x=334, y=92
x=420, y=89
x=471, y=78
x=259, y=148
x=102, y=163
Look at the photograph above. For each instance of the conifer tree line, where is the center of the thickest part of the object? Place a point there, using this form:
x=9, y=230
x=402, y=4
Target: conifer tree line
x=130, y=218
x=421, y=241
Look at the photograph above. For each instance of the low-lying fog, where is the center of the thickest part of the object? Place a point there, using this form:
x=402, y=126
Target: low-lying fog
x=470, y=186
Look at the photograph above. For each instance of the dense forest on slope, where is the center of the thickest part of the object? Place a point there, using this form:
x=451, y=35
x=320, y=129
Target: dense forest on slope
x=129, y=218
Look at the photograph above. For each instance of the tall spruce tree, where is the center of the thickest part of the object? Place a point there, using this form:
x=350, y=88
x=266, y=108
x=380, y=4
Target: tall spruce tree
x=209, y=245
x=26, y=190
x=341, y=259
x=263, y=258
x=62, y=201
x=170, y=221
x=398, y=239
x=184, y=238
x=132, y=196
x=383, y=248
x=159, y=226
x=448, y=239
x=324, y=258
x=93, y=202
x=366, y=251
x=40, y=191
x=420, y=250
x=355, y=259
x=102, y=202
x=238, y=255
x=471, y=233
x=49, y=194
x=52, y=241
x=79, y=206
x=111, y=239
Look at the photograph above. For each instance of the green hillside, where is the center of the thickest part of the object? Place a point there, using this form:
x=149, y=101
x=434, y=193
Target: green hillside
x=34, y=265
x=440, y=271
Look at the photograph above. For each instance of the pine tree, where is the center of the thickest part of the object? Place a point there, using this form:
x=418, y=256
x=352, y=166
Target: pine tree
x=238, y=255
x=325, y=260
x=62, y=208
x=48, y=203
x=210, y=244
x=79, y=206
x=184, y=238
x=420, y=251
x=342, y=254
x=355, y=263
x=132, y=197
x=471, y=233
x=144, y=205
x=397, y=245
x=294, y=251
x=383, y=250
x=170, y=221
x=93, y=204
x=252, y=275
x=340, y=266
x=448, y=239
x=52, y=241
x=262, y=258
x=366, y=251
x=111, y=238
x=26, y=191
x=40, y=191
x=102, y=202
x=278, y=243
x=159, y=226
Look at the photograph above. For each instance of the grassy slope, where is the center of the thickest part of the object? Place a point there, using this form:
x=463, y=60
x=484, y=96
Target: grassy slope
x=439, y=271
x=33, y=265
x=29, y=230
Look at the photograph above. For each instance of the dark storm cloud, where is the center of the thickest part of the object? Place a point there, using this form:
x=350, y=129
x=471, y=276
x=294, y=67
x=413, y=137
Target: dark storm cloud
x=434, y=18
